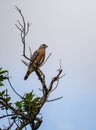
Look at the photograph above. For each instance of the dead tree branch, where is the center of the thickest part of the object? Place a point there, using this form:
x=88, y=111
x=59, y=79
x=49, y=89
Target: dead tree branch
x=10, y=126
x=14, y=89
x=8, y=115
x=10, y=107
x=24, y=29
x=54, y=99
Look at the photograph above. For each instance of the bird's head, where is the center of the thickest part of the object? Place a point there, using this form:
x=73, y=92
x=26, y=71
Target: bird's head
x=43, y=46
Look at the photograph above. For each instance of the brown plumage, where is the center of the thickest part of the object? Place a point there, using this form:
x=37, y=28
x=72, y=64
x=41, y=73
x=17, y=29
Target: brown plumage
x=36, y=60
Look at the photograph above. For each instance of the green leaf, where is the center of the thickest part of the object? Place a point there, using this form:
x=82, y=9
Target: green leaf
x=29, y=96
x=3, y=92
x=8, y=99
x=3, y=71
x=2, y=76
x=1, y=84
x=18, y=104
x=36, y=100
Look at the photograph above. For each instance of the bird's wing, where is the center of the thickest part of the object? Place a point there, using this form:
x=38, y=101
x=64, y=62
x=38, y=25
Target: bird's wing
x=34, y=56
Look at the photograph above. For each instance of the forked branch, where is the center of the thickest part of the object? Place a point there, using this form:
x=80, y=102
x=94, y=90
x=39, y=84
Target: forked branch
x=24, y=29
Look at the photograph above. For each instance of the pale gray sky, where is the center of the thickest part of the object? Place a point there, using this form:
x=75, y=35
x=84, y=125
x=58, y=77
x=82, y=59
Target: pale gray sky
x=68, y=27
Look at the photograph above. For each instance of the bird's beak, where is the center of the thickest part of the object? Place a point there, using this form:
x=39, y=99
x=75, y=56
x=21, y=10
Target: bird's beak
x=46, y=46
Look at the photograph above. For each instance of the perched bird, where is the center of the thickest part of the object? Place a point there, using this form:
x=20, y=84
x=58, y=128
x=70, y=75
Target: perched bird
x=36, y=60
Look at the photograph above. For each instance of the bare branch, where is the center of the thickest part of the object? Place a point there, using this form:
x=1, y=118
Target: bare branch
x=54, y=99
x=28, y=25
x=41, y=77
x=8, y=128
x=17, y=123
x=54, y=79
x=14, y=89
x=7, y=105
x=8, y=115
x=62, y=76
x=46, y=59
x=57, y=83
x=24, y=29
x=27, y=64
x=20, y=24
x=22, y=125
x=24, y=24
x=30, y=52
x=18, y=27
x=55, y=86
x=38, y=123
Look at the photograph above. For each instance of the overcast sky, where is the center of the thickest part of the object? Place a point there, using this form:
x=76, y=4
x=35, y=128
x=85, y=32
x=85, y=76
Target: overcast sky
x=68, y=27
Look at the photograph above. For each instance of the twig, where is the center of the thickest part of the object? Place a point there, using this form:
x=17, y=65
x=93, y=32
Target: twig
x=7, y=105
x=54, y=99
x=38, y=123
x=54, y=79
x=22, y=125
x=30, y=52
x=8, y=128
x=8, y=115
x=14, y=89
x=46, y=59
x=55, y=86
x=27, y=64
x=28, y=25
x=57, y=82
x=8, y=78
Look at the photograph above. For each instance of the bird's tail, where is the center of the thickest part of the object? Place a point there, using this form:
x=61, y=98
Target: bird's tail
x=26, y=76
x=30, y=70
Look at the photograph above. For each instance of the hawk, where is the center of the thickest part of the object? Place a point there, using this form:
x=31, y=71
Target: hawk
x=36, y=60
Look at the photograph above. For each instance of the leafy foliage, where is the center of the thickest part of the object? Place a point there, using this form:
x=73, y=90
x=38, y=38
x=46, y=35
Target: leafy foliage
x=4, y=98
x=19, y=111
x=28, y=104
x=2, y=76
x=4, y=93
